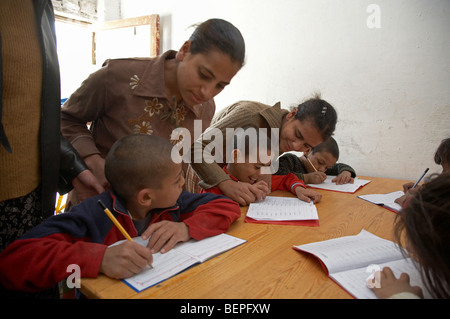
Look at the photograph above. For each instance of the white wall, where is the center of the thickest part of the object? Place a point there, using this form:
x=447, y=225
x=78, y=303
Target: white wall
x=390, y=85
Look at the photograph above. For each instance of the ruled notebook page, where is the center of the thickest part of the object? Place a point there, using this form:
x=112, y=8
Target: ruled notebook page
x=344, y=188
x=350, y=252
x=282, y=208
x=179, y=258
x=350, y=260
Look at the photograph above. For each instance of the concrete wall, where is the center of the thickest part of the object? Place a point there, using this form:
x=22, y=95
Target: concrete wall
x=386, y=68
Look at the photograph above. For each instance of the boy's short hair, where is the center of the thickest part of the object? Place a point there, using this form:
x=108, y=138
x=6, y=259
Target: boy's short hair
x=330, y=146
x=137, y=161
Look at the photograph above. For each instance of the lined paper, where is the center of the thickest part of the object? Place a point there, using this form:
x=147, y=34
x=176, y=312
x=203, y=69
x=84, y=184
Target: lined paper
x=347, y=260
x=281, y=209
x=179, y=258
x=387, y=200
x=344, y=188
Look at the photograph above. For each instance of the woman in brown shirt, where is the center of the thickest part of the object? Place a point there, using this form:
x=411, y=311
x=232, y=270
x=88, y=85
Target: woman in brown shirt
x=152, y=95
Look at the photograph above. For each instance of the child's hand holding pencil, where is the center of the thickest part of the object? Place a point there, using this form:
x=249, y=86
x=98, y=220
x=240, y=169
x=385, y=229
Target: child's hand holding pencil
x=126, y=259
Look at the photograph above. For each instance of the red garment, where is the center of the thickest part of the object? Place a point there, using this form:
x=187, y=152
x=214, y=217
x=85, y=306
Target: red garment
x=40, y=259
x=287, y=182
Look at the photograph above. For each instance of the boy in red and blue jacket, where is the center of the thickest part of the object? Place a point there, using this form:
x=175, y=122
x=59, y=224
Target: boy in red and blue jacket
x=147, y=199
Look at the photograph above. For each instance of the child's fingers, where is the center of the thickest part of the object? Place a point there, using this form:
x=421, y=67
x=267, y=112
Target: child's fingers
x=125, y=260
x=150, y=230
x=145, y=256
x=304, y=198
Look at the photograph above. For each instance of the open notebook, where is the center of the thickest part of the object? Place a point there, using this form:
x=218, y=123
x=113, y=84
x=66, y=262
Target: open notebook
x=385, y=200
x=179, y=258
x=351, y=260
x=345, y=188
x=283, y=211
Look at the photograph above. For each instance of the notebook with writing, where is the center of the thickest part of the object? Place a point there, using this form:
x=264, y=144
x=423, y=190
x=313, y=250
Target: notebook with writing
x=344, y=188
x=180, y=258
x=283, y=211
x=385, y=200
x=351, y=261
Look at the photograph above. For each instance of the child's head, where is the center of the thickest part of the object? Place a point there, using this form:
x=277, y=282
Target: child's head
x=324, y=155
x=307, y=125
x=426, y=222
x=442, y=155
x=251, y=152
x=143, y=162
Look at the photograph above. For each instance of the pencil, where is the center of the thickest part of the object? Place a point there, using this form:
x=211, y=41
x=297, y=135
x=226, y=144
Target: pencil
x=420, y=178
x=116, y=222
x=310, y=163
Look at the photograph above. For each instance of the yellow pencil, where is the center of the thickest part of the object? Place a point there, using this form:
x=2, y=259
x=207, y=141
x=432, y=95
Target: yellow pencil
x=116, y=222
x=310, y=163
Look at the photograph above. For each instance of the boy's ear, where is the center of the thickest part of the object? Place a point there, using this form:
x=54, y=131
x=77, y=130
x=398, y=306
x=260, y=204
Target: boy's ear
x=144, y=197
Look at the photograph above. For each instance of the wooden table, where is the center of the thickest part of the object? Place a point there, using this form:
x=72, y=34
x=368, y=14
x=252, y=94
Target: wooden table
x=267, y=266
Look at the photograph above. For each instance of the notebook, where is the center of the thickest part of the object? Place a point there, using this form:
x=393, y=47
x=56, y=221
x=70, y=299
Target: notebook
x=179, y=258
x=385, y=200
x=344, y=188
x=352, y=260
x=283, y=211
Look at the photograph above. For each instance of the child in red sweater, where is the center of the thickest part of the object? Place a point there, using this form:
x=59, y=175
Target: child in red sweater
x=246, y=162
x=147, y=198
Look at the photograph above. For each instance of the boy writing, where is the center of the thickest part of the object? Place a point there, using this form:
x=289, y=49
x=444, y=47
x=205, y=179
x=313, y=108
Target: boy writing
x=146, y=198
x=246, y=163
x=314, y=168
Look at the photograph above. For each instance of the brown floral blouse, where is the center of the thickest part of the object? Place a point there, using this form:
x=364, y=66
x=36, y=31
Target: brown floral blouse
x=127, y=96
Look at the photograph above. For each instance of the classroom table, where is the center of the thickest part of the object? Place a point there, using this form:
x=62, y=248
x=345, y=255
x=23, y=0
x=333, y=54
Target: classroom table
x=267, y=266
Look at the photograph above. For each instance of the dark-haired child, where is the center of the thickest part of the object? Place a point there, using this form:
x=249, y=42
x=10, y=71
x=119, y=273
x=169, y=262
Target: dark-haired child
x=423, y=228
x=322, y=158
x=146, y=198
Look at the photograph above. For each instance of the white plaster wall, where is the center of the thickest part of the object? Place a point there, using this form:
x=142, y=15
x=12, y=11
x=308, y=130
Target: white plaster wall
x=390, y=85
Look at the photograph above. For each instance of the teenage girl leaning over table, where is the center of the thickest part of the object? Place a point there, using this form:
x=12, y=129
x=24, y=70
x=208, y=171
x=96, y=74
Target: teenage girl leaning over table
x=305, y=126
x=152, y=95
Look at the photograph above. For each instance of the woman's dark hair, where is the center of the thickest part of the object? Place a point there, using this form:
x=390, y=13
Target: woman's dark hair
x=219, y=34
x=426, y=222
x=442, y=154
x=320, y=112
